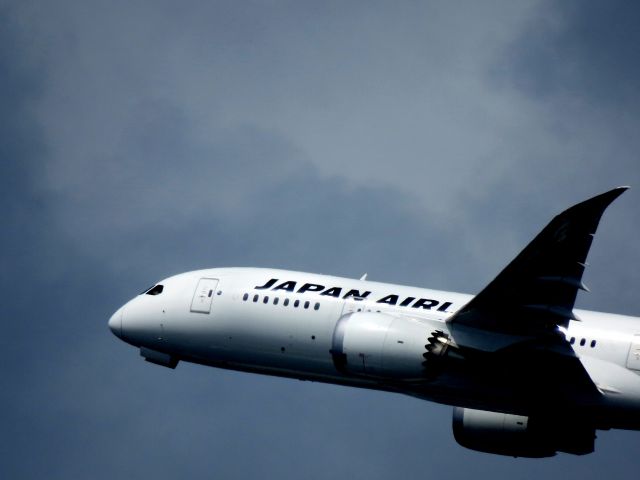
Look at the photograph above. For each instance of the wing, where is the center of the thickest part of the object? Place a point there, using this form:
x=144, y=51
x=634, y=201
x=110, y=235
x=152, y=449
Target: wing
x=536, y=292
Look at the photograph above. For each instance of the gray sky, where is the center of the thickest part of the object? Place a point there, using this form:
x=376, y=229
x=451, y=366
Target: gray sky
x=422, y=142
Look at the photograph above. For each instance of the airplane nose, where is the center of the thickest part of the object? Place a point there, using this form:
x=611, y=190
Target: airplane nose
x=115, y=323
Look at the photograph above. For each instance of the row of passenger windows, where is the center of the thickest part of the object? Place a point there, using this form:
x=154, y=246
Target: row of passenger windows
x=582, y=342
x=285, y=301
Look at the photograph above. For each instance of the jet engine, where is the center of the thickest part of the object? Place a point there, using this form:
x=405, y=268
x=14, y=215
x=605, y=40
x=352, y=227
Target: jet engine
x=380, y=345
x=520, y=436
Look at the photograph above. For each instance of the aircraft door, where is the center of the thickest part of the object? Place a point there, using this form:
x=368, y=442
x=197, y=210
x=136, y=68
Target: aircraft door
x=203, y=296
x=633, y=360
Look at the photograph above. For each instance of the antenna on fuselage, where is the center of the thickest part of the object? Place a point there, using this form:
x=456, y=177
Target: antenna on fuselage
x=363, y=277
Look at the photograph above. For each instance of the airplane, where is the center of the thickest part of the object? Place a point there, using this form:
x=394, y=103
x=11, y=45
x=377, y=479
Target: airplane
x=527, y=374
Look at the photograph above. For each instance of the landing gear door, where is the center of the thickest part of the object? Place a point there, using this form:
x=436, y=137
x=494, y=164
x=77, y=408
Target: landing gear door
x=633, y=360
x=203, y=296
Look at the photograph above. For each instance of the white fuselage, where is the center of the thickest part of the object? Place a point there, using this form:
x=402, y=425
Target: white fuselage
x=284, y=323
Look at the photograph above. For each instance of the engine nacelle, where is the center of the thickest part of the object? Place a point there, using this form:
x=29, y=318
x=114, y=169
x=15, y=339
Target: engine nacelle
x=380, y=345
x=519, y=436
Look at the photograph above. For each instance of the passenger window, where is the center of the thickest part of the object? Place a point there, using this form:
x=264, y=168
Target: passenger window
x=156, y=290
x=316, y=306
x=275, y=300
x=255, y=298
x=296, y=303
x=582, y=342
x=245, y=297
x=265, y=300
x=573, y=340
x=593, y=343
x=286, y=302
x=306, y=304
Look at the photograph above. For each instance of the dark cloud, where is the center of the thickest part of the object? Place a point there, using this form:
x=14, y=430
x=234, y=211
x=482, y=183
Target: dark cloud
x=411, y=142
x=586, y=50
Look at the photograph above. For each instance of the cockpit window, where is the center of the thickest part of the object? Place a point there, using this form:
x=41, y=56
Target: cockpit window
x=155, y=290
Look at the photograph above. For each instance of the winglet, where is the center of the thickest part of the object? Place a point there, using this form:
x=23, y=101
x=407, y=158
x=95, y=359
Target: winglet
x=601, y=201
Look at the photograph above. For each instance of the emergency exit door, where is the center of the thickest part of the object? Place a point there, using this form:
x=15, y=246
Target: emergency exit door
x=633, y=360
x=203, y=296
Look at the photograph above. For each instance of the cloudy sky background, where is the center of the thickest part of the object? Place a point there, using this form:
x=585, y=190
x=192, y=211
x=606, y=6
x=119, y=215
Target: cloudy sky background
x=422, y=142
